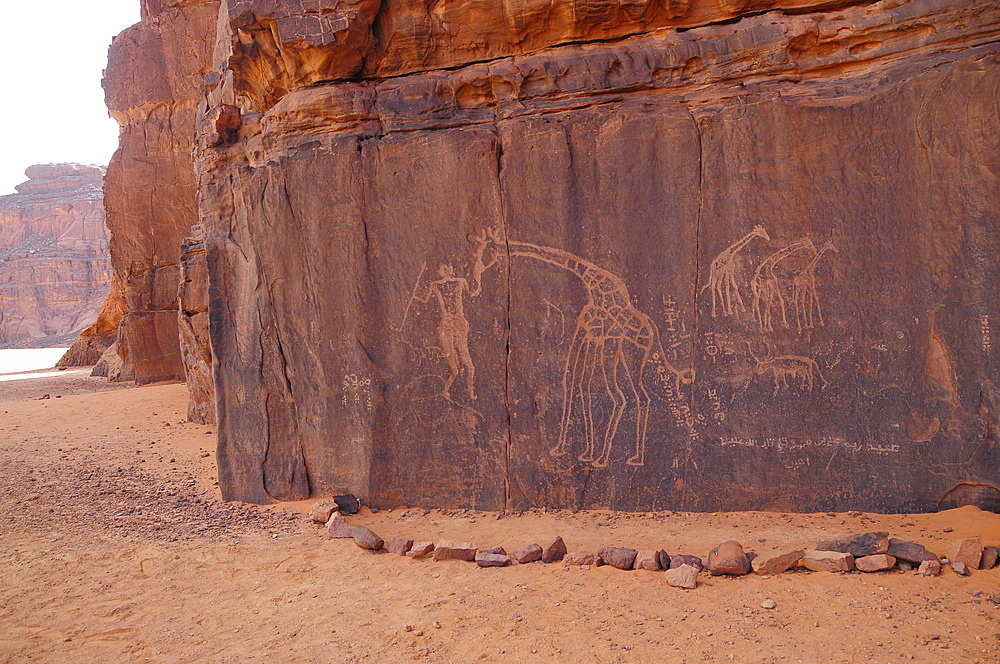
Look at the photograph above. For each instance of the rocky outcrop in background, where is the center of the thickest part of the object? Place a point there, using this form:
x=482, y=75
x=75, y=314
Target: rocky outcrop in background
x=54, y=262
x=642, y=255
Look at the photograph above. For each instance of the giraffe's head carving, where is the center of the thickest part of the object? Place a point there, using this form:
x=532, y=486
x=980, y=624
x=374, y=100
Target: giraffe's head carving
x=761, y=232
x=489, y=249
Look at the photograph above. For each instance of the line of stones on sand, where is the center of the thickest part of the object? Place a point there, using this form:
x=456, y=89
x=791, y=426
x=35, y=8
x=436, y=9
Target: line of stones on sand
x=867, y=552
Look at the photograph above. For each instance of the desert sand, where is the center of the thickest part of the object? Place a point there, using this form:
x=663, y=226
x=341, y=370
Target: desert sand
x=116, y=547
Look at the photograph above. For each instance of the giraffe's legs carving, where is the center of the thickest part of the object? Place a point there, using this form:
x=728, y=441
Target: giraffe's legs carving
x=587, y=399
x=618, y=399
x=642, y=414
x=571, y=387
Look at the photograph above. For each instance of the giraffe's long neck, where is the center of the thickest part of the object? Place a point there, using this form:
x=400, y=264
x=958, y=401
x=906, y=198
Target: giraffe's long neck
x=578, y=266
x=782, y=254
x=744, y=241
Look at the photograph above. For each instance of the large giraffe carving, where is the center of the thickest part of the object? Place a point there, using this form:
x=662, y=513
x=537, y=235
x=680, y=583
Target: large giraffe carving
x=722, y=275
x=614, y=342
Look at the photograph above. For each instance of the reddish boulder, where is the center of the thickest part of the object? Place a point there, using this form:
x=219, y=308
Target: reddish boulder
x=555, y=551
x=420, y=549
x=617, y=556
x=968, y=551
x=338, y=527
x=451, y=550
x=879, y=562
x=399, y=545
x=682, y=576
x=779, y=563
x=729, y=558
x=366, y=539
x=528, y=553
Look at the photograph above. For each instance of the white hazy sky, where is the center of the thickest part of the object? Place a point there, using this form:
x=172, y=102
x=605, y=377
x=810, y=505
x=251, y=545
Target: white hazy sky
x=52, y=109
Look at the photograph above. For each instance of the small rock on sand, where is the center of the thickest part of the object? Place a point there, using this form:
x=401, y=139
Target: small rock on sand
x=451, y=550
x=322, y=511
x=728, y=558
x=579, y=558
x=555, y=551
x=876, y=563
x=968, y=550
x=909, y=551
x=528, y=553
x=420, y=549
x=492, y=559
x=617, y=556
x=866, y=544
x=828, y=561
x=338, y=527
x=778, y=564
x=685, y=559
x=348, y=503
x=366, y=539
x=647, y=560
x=991, y=555
x=399, y=545
x=682, y=576
x=929, y=568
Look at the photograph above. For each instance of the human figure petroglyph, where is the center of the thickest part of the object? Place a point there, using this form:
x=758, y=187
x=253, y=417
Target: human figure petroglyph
x=805, y=297
x=614, y=341
x=453, y=326
x=781, y=368
x=722, y=275
x=766, y=288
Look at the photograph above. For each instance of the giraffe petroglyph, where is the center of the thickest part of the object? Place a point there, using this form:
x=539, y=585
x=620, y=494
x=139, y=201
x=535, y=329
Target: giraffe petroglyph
x=722, y=275
x=766, y=287
x=613, y=342
x=805, y=297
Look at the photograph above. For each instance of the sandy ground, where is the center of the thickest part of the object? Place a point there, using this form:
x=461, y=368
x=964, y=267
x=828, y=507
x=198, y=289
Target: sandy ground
x=115, y=547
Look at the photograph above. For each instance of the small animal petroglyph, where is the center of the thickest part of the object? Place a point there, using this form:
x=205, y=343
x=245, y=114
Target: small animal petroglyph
x=782, y=368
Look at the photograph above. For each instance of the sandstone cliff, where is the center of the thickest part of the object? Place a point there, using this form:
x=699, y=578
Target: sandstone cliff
x=641, y=254
x=152, y=84
x=54, y=263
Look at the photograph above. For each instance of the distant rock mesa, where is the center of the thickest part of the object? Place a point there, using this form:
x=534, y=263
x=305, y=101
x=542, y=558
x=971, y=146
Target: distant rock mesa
x=54, y=261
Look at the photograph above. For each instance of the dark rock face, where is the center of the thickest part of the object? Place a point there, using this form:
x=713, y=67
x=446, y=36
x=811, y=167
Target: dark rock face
x=54, y=261
x=743, y=265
